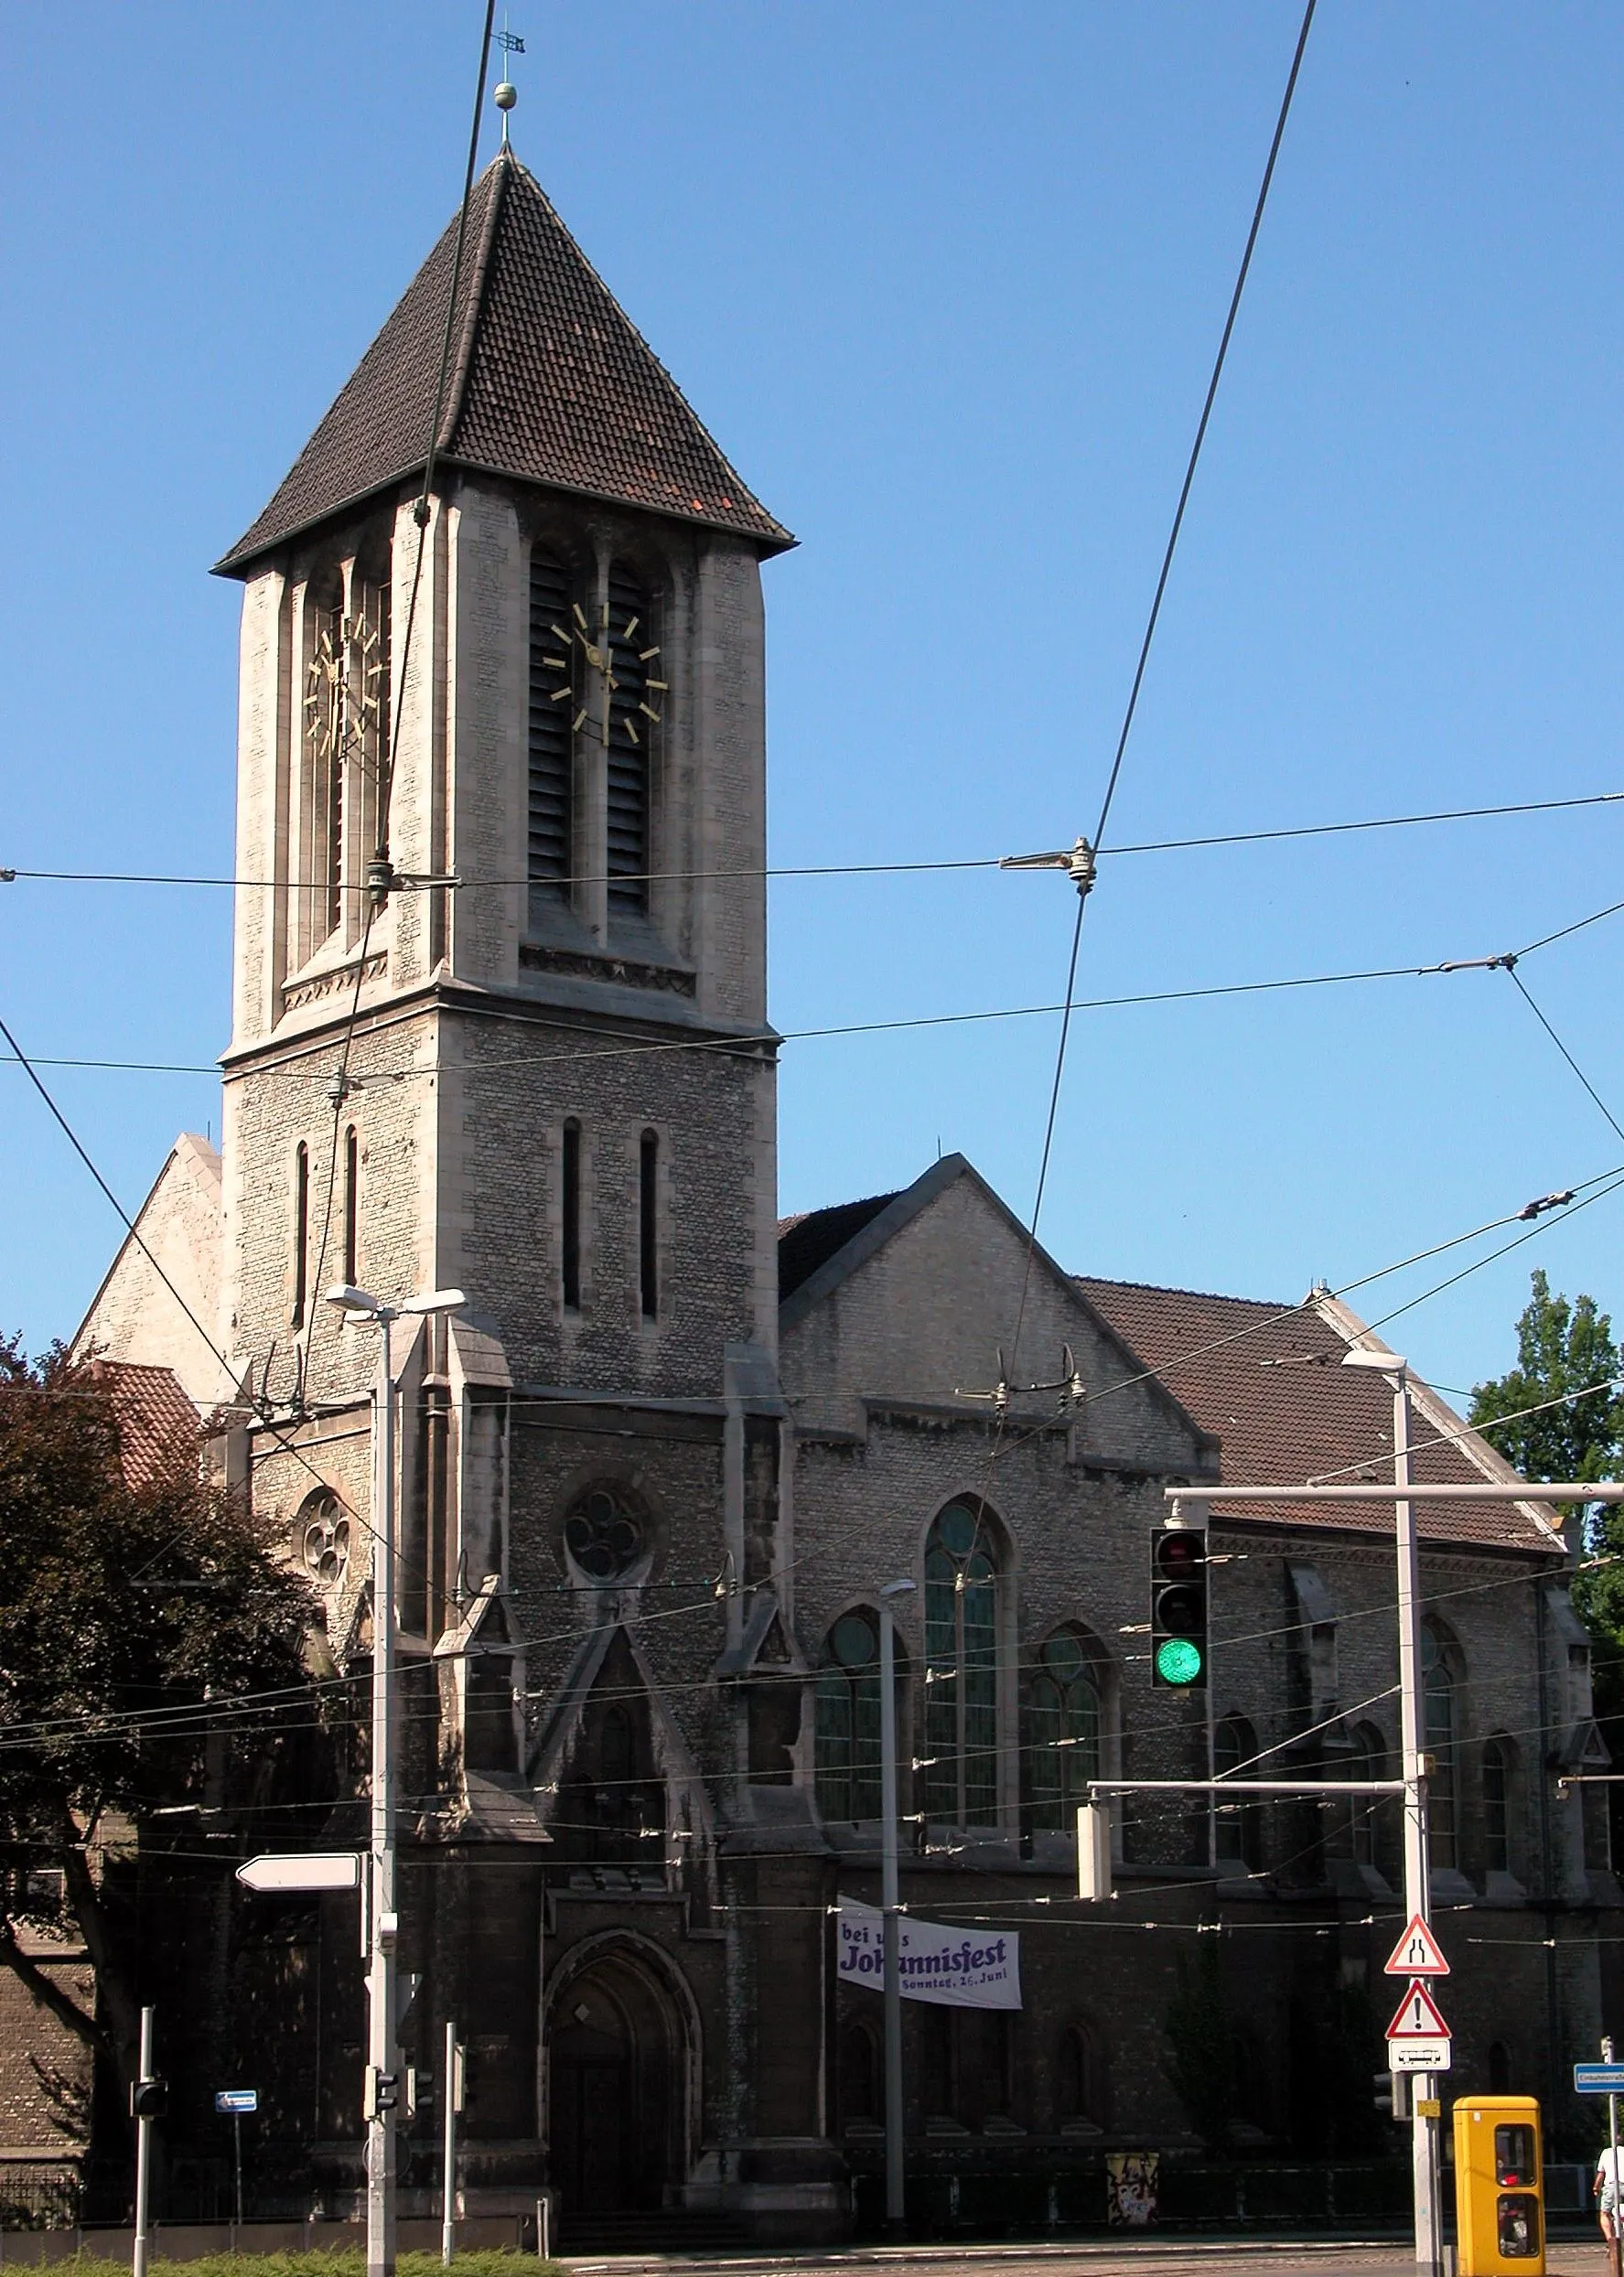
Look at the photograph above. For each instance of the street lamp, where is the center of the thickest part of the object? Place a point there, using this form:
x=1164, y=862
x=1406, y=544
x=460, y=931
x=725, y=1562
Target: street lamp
x=1424, y=2142
x=383, y=1921
x=889, y=1901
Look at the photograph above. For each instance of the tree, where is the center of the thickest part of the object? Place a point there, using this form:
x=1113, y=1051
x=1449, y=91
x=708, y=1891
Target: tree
x=135, y=1604
x=1566, y=1353
x=1563, y=1350
x=1201, y=2058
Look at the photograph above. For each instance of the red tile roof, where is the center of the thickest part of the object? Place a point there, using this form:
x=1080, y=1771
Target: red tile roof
x=1306, y=1415
x=550, y=383
x=159, y=1426
x=814, y=1236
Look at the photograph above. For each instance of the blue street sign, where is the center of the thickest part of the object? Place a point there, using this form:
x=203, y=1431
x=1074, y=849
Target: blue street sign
x=236, y=2102
x=1598, y=2078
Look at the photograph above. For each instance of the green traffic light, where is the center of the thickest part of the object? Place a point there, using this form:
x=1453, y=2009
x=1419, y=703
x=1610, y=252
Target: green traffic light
x=1178, y=1660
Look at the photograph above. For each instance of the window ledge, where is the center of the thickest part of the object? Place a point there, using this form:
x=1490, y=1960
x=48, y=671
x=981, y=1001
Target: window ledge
x=624, y=971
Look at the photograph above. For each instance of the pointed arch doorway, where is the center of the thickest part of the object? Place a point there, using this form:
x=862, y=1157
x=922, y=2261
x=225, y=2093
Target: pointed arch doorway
x=620, y=2054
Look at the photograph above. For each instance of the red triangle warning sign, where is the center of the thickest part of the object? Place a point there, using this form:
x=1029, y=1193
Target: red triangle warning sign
x=1416, y=1954
x=1418, y=2017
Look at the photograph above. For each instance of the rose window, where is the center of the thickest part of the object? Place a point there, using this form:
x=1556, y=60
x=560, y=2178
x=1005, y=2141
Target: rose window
x=604, y=1535
x=324, y=1540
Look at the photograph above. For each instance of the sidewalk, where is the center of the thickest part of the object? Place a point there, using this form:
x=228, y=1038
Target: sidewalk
x=1145, y=2257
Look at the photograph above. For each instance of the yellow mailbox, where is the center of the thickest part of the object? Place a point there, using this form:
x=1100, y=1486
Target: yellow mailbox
x=1500, y=2195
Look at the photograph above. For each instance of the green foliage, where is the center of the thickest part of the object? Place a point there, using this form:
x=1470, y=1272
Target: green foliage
x=1562, y=1349
x=1200, y=2059
x=118, y=1600
x=133, y=1603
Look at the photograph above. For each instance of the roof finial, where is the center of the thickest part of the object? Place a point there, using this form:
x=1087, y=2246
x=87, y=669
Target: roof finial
x=507, y=94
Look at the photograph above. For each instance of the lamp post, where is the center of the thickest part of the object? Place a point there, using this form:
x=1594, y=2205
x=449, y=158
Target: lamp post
x=1423, y=2139
x=383, y=1921
x=895, y=2186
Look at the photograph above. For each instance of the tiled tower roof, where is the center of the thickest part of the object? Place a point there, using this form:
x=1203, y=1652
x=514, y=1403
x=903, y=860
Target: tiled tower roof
x=549, y=381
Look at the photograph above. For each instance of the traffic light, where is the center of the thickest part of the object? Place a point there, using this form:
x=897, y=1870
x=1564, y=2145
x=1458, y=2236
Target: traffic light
x=1392, y=2097
x=380, y=2092
x=1179, y=1606
x=149, y=2099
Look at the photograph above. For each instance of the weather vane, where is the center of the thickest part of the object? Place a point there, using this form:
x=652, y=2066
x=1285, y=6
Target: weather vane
x=507, y=94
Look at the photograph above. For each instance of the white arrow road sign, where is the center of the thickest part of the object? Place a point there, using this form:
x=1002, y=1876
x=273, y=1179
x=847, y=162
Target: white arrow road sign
x=1417, y=1953
x=304, y=1869
x=1418, y=2017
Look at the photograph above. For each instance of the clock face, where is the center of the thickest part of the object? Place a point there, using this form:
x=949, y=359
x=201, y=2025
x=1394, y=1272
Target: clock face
x=343, y=688
x=611, y=664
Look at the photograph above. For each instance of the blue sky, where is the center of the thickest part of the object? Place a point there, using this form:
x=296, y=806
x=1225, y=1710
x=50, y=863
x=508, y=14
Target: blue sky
x=946, y=283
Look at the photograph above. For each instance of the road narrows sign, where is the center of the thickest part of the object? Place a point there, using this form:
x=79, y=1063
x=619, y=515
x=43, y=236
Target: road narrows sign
x=1417, y=1953
x=1418, y=2017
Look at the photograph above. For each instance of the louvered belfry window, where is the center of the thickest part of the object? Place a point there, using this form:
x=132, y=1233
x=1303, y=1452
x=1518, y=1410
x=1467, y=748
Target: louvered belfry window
x=553, y=708
x=635, y=707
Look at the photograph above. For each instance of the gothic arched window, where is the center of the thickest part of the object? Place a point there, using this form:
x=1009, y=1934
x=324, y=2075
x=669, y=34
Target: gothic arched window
x=346, y=699
x=553, y=704
x=325, y=708
x=860, y=2078
x=1065, y=1723
x=636, y=706
x=1367, y=1760
x=1239, y=1825
x=960, y=1669
x=301, y=1234
x=1079, y=2081
x=351, y=1206
x=848, y=1719
x=1497, y=1805
x=1439, y=1720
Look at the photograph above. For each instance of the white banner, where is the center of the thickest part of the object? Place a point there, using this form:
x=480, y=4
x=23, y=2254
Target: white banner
x=976, y=1967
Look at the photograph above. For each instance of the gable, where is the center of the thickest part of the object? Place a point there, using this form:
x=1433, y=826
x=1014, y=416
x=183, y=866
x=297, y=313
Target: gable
x=133, y=1316
x=916, y=1304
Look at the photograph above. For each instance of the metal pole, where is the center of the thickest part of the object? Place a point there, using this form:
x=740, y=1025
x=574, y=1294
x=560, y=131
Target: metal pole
x=143, y=2154
x=448, y=2187
x=895, y=2201
x=237, y=2160
x=380, y=1982
x=1615, y=2248
x=1424, y=2142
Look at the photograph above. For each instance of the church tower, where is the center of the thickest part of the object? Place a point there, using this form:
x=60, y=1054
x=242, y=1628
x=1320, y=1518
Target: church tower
x=550, y=1081
x=499, y=1025
x=558, y=1078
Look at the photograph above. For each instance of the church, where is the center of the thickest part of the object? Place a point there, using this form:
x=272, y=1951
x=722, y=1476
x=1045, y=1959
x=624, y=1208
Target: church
x=500, y=1023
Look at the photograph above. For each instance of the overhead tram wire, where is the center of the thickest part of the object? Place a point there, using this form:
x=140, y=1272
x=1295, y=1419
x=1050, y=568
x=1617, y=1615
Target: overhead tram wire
x=276, y=1428
x=1144, y=648
x=421, y=514
x=839, y=869
x=1522, y=987
x=752, y=1042
x=182, y=1716
x=1087, y=854
x=1611, y=1180
x=123, y=1216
